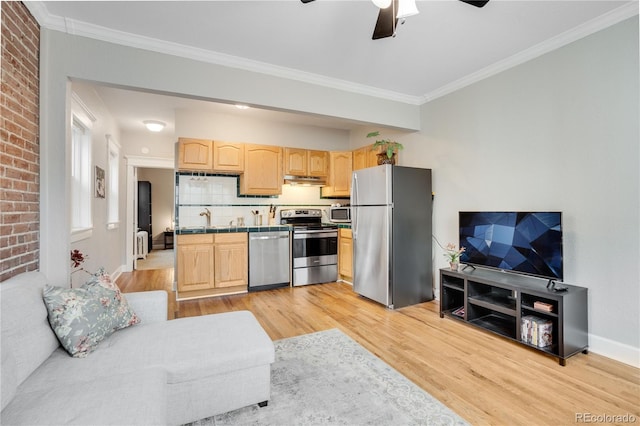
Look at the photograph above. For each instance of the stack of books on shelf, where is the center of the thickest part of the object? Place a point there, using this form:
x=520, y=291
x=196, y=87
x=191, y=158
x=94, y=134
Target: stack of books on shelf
x=536, y=331
x=542, y=306
x=459, y=312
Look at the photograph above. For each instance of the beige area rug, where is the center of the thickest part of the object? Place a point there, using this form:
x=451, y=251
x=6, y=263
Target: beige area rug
x=157, y=259
x=327, y=378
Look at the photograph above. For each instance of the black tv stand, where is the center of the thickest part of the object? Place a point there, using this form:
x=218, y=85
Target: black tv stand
x=513, y=306
x=466, y=265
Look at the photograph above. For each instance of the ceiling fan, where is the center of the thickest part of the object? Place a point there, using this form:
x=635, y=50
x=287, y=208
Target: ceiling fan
x=392, y=11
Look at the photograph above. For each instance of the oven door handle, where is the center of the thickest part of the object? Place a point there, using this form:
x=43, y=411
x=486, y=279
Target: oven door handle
x=314, y=234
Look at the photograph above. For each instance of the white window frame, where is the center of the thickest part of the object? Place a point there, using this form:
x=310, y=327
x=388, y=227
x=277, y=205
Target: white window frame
x=113, y=185
x=81, y=176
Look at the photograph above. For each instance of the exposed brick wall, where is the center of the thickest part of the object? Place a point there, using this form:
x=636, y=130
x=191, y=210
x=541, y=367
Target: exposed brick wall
x=19, y=157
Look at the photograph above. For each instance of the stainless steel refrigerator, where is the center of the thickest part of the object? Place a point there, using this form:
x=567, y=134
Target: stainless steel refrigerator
x=391, y=225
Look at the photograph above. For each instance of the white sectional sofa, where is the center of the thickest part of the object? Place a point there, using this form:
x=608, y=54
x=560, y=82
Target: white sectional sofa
x=155, y=372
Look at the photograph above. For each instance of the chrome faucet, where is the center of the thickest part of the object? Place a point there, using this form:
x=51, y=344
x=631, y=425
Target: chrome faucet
x=207, y=213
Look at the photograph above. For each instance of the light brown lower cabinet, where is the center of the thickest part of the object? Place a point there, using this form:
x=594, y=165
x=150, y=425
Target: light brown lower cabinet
x=345, y=254
x=231, y=257
x=211, y=264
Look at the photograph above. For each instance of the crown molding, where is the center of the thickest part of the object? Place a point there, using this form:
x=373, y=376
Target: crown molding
x=84, y=29
x=611, y=18
x=74, y=27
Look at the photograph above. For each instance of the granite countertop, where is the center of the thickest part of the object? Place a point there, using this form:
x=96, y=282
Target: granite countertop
x=229, y=229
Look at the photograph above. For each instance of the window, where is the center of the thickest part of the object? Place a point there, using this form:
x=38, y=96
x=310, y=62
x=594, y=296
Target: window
x=113, y=174
x=81, y=170
x=81, y=218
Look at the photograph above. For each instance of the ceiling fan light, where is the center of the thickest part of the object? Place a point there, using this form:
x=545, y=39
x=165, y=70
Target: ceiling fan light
x=407, y=8
x=154, y=126
x=382, y=4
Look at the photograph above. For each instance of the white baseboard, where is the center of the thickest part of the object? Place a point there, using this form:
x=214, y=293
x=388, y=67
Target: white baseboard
x=615, y=350
x=115, y=274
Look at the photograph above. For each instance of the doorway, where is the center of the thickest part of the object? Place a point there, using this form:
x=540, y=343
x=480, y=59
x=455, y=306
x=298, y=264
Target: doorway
x=155, y=216
x=161, y=171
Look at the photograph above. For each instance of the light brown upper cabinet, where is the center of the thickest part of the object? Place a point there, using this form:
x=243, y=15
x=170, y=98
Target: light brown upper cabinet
x=262, y=170
x=195, y=154
x=340, y=167
x=295, y=162
x=318, y=163
x=228, y=157
x=364, y=157
x=304, y=162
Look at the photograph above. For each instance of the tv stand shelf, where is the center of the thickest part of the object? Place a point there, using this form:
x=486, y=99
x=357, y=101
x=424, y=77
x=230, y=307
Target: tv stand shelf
x=503, y=303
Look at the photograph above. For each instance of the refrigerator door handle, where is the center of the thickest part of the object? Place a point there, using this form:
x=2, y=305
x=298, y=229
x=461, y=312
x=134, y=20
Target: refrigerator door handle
x=354, y=202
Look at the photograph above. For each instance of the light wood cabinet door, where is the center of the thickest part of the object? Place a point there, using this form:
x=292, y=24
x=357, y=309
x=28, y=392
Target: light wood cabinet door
x=318, y=163
x=304, y=162
x=195, y=154
x=295, y=162
x=364, y=157
x=345, y=253
x=359, y=159
x=340, y=168
x=231, y=260
x=195, y=262
x=263, y=170
x=228, y=157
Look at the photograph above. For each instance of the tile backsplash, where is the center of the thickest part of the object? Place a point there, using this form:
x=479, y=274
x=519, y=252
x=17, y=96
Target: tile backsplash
x=195, y=192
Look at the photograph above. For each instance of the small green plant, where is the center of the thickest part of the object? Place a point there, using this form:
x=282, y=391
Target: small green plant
x=387, y=145
x=452, y=253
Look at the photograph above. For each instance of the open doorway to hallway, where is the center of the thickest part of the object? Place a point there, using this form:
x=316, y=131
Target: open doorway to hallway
x=157, y=250
x=155, y=218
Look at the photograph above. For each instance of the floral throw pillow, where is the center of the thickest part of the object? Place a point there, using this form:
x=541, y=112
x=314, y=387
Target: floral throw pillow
x=82, y=317
x=120, y=310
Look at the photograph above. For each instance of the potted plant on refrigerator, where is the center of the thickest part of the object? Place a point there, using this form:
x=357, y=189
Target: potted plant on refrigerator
x=387, y=149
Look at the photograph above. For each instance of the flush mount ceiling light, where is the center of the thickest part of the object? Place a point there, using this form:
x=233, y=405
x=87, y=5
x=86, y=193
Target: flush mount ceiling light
x=154, y=125
x=240, y=106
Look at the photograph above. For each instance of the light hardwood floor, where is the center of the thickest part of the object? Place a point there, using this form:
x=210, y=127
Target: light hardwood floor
x=482, y=377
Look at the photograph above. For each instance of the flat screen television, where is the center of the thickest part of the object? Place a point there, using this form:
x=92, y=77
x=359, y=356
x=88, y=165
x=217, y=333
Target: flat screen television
x=525, y=242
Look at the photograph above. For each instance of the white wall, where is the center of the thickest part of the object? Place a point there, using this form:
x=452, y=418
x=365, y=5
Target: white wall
x=557, y=133
x=231, y=128
x=102, y=248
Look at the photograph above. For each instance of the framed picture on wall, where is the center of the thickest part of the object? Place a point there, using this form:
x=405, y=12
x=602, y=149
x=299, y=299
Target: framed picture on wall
x=100, y=183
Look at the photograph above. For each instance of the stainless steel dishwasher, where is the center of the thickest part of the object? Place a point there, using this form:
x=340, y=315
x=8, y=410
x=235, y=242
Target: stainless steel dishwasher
x=269, y=260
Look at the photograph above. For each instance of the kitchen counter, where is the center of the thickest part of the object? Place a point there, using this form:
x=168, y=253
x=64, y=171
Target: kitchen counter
x=343, y=225
x=229, y=229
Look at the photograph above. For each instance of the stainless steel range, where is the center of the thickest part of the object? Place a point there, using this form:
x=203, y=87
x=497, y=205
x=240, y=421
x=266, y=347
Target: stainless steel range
x=315, y=246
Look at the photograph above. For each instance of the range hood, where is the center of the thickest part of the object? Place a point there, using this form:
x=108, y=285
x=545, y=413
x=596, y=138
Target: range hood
x=305, y=180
